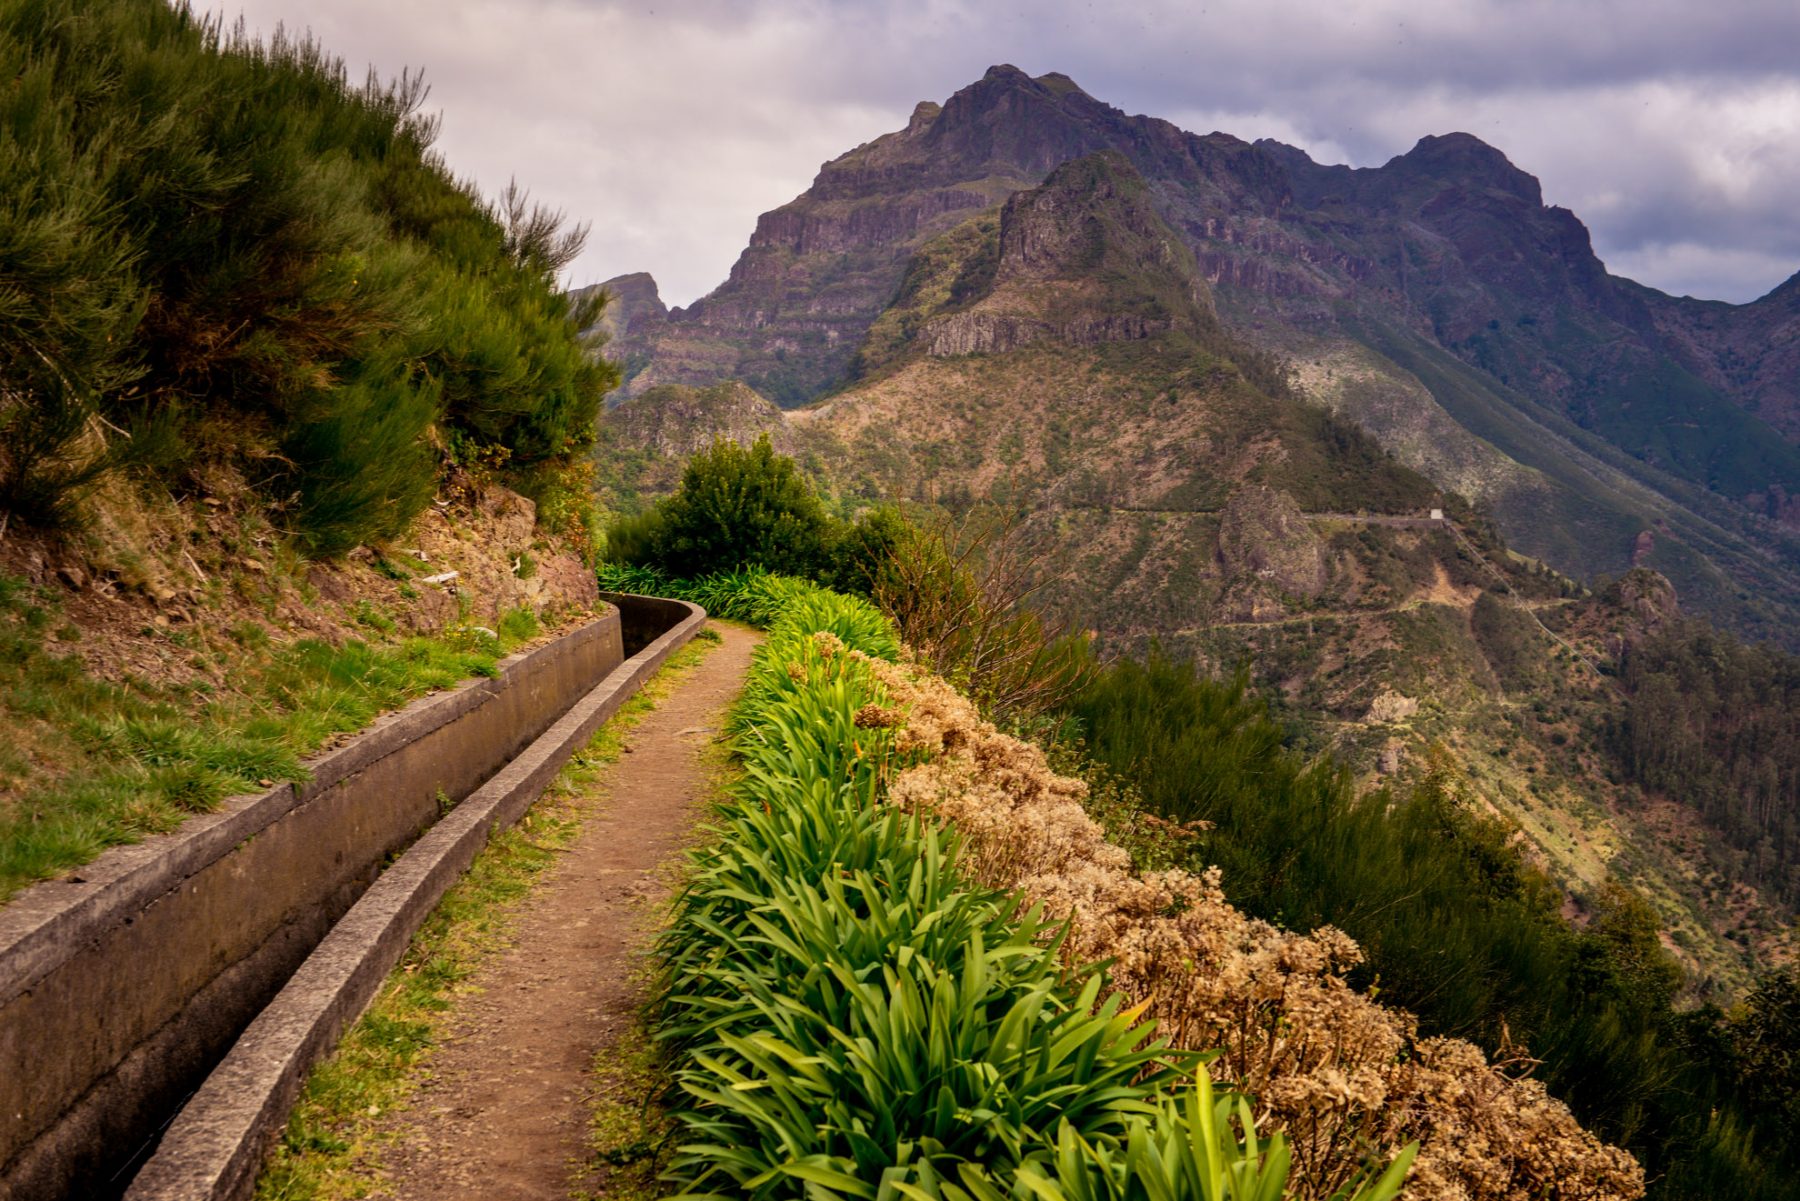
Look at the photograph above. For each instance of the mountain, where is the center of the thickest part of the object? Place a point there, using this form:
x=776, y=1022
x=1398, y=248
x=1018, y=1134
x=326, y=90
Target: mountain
x=1064, y=354
x=1435, y=301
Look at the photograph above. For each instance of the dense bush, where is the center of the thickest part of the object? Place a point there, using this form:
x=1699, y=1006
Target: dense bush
x=221, y=244
x=1455, y=925
x=747, y=507
x=736, y=507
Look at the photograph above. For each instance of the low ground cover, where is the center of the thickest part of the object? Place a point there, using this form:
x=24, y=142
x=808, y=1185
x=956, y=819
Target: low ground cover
x=849, y=1014
x=86, y=764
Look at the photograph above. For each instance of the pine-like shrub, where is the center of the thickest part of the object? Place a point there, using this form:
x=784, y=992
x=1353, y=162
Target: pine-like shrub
x=198, y=228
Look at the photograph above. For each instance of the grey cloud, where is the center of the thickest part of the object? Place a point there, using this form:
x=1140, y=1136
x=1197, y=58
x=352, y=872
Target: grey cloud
x=1672, y=128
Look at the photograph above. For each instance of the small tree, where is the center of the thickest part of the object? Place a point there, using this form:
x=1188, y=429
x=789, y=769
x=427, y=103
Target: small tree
x=738, y=507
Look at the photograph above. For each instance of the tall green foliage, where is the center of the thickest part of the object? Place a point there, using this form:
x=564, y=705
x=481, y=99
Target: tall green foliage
x=202, y=232
x=853, y=1019
x=737, y=507
x=1455, y=925
x=749, y=508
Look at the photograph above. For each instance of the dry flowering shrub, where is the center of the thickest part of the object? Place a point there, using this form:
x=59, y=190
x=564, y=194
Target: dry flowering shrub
x=1343, y=1076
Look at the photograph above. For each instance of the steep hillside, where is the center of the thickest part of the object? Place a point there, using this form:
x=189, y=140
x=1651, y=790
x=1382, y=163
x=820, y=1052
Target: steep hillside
x=1435, y=300
x=277, y=391
x=1061, y=359
x=644, y=441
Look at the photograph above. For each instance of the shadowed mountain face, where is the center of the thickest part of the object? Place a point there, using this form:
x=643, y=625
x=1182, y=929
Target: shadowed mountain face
x=1436, y=300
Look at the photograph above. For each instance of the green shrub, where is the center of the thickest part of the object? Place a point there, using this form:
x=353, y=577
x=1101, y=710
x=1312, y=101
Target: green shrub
x=1455, y=924
x=203, y=231
x=864, y=549
x=736, y=507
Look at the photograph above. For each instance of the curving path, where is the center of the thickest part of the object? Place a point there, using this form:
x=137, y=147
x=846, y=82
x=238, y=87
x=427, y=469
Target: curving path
x=502, y=1117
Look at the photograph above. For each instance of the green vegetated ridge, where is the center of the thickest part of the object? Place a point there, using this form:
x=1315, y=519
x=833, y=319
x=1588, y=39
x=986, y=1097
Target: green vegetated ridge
x=849, y=1017
x=1601, y=498
x=223, y=255
x=1455, y=924
x=250, y=322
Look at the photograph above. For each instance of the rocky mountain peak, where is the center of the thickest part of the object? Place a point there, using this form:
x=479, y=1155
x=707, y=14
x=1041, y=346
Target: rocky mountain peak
x=1787, y=294
x=923, y=114
x=1092, y=214
x=1011, y=124
x=1464, y=159
x=1083, y=258
x=636, y=306
x=636, y=295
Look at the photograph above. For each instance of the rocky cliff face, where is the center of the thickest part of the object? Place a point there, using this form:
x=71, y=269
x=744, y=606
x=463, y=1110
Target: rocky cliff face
x=1583, y=409
x=819, y=270
x=1082, y=259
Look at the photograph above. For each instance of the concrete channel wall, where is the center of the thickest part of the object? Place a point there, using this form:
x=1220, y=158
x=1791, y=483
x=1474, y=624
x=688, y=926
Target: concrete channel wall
x=122, y=986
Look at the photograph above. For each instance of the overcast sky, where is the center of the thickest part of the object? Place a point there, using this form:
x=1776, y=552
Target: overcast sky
x=1671, y=127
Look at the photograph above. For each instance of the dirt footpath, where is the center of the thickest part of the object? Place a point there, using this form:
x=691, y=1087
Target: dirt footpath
x=503, y=1116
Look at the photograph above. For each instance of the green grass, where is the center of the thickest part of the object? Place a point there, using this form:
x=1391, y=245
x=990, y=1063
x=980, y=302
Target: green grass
x=93, y=764
x=332, y=1146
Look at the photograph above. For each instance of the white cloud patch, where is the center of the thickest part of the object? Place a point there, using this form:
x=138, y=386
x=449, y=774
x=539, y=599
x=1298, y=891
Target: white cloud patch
x=1672, y=129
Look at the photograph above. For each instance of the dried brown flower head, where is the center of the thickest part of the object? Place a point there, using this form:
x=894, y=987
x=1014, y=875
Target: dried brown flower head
x=1339, y=1073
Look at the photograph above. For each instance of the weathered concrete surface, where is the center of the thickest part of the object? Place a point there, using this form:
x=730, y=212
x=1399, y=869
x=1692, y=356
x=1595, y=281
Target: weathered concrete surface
x=119, y=991
x=216, y=1145
x=645, y=619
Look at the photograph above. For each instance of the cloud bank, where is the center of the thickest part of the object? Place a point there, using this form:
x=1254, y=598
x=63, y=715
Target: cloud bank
x=1671, y=128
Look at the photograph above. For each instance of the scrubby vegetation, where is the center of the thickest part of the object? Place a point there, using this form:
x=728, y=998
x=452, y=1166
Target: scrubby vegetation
x=220, y=255
x=1335, y=1071
x=1453, y=923
x=851, y=1016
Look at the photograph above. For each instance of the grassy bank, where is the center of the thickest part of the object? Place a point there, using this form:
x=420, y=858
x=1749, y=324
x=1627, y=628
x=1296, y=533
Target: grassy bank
x=87, y=764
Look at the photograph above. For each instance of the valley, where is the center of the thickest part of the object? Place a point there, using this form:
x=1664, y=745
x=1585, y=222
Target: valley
x=1100, y=662
x=1222, y=441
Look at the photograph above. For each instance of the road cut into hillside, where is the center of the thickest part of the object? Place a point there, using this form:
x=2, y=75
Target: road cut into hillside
x=503, y=1116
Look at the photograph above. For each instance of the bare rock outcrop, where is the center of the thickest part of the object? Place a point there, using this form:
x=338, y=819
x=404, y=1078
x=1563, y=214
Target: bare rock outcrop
x=1264, y=536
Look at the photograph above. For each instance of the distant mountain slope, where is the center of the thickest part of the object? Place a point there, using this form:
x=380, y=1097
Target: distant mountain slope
x=1434, y=299
x=1062, y=357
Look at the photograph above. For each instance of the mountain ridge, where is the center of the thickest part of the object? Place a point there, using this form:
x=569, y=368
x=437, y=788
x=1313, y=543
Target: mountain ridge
x=1585, y=410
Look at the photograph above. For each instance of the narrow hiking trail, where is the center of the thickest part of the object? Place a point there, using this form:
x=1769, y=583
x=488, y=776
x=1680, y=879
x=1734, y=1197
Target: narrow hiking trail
x=504, y=1114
